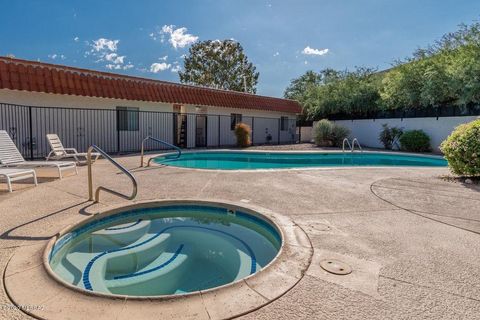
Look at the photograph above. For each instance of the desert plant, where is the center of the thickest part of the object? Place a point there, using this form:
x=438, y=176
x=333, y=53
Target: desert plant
x=338, y=134
x=242, y=132
x=322, y=132
x=389, y=136
x=415, y=141
x=462, y=149
x=327, y=134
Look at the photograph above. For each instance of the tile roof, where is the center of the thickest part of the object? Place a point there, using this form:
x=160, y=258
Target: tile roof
x=17, y=74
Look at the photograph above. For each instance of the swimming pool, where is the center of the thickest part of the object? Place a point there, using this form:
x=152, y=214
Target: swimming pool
x=165, y=250
x=234, y=160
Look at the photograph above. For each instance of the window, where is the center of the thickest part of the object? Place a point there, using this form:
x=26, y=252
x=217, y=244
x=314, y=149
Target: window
x=235, y=118
x=283, y=123
x=127, y=119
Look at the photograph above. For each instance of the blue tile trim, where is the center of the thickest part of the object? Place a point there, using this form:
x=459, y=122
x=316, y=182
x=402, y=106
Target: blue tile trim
x=126, y=227
x=130, y=275
x=86, y=272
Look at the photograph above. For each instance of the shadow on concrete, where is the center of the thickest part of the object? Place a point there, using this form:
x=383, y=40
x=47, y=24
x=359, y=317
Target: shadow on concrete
x=7, y=234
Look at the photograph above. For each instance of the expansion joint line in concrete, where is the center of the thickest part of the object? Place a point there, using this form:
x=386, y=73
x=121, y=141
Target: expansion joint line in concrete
x=373, y=184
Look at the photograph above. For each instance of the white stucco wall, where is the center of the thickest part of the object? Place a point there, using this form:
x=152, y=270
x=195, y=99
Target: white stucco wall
x=367, y=131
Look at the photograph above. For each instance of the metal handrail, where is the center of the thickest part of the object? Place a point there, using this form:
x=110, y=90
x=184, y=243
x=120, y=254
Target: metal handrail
x=351, y=146
x=159, y=141
x=358, y=144
x=343, y=144
x=116, y=164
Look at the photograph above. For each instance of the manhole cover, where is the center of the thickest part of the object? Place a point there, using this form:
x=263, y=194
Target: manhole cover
x=335, y=266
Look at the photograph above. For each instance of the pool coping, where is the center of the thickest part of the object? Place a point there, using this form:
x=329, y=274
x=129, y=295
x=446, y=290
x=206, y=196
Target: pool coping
x=250, y=293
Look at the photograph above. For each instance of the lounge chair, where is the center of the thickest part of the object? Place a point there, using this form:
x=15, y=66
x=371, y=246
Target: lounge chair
x=59, y=152
x=11, y=174
x=11, y=157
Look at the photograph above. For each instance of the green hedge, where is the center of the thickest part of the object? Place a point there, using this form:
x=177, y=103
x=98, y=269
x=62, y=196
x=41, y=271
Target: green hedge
x=462, y=149
x=415, y=141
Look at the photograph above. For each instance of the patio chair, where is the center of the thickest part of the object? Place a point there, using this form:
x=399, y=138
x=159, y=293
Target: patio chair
x=59, y=152
x=11, y=157
x=11, y=175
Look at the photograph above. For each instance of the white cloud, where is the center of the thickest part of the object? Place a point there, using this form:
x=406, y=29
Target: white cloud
x=176, y=68
x=119, y=66
x=113, y=66
x=316, y=52
x=114, y=58
x=103, y=44
x=164, y=58
x=276, y=54
x=158, y=67
x=54, y=56
x=76, y=39
x=106, y=50
x=178, y=38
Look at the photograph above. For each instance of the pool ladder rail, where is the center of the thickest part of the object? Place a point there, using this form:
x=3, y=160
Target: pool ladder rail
x=101, y=188
x=351, y=146
x=179, y=151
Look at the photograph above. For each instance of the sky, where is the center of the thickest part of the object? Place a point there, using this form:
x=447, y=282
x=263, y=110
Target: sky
x=284, y=38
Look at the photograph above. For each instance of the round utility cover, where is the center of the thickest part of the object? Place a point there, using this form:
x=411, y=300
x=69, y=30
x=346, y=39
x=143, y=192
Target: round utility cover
x=335, y=267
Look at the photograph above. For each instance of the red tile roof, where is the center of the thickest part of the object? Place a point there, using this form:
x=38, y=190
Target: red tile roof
x=17, y=74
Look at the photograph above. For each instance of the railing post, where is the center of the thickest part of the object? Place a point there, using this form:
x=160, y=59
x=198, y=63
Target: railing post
x=251, y=131
x=118, y=131
x=31, y=131
x=218, y=131
x=279, y=124
x=90, y=180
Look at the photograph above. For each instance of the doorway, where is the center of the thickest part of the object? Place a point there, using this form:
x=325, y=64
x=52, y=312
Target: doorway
x=201, y=131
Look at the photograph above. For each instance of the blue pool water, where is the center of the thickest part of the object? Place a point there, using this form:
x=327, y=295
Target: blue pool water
x=170, y=249
x=231, y=160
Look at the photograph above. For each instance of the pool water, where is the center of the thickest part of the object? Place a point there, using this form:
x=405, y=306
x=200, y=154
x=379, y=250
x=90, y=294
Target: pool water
x=165, y=250
x=234, y=160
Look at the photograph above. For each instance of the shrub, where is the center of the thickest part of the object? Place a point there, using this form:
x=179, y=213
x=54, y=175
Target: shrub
x=389, y=136
x=327, y=134
x=462, y=149
x=415, y=141
x=338, y=134
x=242, y=132
x=322, y=133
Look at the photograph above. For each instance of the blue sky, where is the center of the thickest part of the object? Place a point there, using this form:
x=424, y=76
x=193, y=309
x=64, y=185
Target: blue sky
x=282, y=38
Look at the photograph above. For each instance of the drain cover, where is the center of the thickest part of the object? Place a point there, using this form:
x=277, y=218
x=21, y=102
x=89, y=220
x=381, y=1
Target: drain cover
x=335, y=267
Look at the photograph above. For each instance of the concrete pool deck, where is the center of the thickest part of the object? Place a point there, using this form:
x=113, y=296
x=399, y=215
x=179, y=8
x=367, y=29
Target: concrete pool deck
x=411, y=238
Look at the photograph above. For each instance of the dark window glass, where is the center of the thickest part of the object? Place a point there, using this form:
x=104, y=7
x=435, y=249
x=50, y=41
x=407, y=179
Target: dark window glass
x=283, y=123
x=235, y=118
x=127, y=119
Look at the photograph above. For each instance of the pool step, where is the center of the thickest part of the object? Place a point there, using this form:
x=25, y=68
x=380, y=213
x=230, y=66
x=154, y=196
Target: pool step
x=126, y=260
x=162, y=274
x=123, y=234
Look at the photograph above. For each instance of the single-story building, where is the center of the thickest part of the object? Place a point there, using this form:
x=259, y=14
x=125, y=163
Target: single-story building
x=190, y=116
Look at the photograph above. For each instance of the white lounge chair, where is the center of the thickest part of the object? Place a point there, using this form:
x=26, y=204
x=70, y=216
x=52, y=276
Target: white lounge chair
x=11, y=157
x=59, y=152
x=11, y=175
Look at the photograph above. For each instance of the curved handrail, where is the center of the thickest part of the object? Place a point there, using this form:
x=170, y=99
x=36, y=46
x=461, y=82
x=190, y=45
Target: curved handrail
x=159, y=141
x=116, y=164
x=358, y=144
x=343, y=144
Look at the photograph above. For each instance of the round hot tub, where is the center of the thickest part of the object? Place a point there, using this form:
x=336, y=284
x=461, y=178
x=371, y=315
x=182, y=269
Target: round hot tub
x=167, y=249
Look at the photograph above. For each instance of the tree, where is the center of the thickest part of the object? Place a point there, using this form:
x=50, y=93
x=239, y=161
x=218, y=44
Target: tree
x=297, y=87
x=221, y=65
